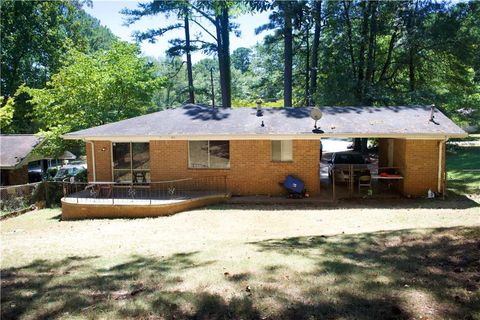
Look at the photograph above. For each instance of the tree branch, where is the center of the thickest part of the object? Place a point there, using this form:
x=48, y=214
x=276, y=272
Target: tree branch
x=203, y=13
x=204, y=29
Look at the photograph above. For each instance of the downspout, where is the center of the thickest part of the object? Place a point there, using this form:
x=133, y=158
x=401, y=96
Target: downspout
x=93, y=161
x=440, y=166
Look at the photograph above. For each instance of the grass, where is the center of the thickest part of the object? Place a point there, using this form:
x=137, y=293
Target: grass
x=459, y=161
x=377, y=262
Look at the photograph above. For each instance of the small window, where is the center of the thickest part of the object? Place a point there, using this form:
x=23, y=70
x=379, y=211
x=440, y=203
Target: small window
x=209, y=154
x=282, y=150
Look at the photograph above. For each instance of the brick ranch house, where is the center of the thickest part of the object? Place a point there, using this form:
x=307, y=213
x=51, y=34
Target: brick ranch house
x=16, y=151
x=254, y=152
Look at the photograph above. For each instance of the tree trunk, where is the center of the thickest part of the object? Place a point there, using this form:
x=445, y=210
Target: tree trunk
x=368, y=99
x=223, y=45
x=307, y=67
x=316, y=44
x=350, y=38
x=227, y=102
x=221, y=60
x=288, y=53
x=388, y=60
x=411, y=45
x=361, y=54
x=191, y=93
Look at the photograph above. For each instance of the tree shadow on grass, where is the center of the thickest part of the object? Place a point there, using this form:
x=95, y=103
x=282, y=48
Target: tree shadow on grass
x=381, y=275
x=73, y=286
x=436, y=271
x=142, y=288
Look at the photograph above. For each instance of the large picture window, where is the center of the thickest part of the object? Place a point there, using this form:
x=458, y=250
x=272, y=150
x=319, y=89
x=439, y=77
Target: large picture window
x=282, y=150
x=209, y=154
x=131, y=162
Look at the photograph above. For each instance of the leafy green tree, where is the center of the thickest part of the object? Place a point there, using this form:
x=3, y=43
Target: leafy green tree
x=37, y=34
x=92, y=90
x=93, y=35
x=241, y=59
x=6, y=114
x=35, y=38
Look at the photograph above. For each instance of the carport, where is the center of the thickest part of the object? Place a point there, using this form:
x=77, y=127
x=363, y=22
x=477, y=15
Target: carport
x=409, y=158
x=395, y=167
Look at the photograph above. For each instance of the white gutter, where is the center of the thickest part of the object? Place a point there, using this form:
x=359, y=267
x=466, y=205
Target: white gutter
x=300, y=136
x=441, y=144
x=94, y=169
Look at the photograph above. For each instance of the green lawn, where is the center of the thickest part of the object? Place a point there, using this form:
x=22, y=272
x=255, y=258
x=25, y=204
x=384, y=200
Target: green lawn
x=461, y=160
x=406, y=260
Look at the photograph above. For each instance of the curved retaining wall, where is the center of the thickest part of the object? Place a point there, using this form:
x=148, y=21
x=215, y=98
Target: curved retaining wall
x=75, y=211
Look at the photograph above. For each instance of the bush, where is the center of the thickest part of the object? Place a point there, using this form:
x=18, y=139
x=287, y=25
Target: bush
x=81, y=176
x=49, y=191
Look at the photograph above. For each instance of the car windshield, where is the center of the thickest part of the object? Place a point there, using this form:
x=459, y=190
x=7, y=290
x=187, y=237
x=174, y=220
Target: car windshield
x=66, y=171
x=349, y=158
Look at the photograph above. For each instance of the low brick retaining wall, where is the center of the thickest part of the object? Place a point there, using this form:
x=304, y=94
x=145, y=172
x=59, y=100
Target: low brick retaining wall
x=75, y=211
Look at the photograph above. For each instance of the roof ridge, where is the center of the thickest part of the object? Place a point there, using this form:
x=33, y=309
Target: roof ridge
x=19, y=134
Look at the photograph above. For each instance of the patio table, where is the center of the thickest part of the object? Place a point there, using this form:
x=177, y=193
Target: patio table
x=390, y=179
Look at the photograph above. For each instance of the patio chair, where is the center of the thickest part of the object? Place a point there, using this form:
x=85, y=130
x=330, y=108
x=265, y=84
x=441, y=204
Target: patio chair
x=139, y=177
x=364, y=182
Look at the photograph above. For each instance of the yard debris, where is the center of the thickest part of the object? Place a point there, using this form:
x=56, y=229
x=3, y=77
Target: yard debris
x=458, y=270
x=121, y=295
x=125, y=294
x=471, y=287
x=136, y=291
x=396, y=310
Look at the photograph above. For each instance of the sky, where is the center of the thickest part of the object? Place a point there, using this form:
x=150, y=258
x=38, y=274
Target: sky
x=108, y=12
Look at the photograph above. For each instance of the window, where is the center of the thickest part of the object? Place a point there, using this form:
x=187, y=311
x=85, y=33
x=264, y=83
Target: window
x=131, y=162
x=282, y=150
x=209, y=154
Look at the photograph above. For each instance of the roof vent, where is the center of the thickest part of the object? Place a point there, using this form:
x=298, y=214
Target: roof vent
x=432, y=116
x=259, y=108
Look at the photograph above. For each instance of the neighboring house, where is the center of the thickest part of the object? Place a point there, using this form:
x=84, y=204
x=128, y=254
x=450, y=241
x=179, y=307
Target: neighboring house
x=16, y=151
x=255, y=152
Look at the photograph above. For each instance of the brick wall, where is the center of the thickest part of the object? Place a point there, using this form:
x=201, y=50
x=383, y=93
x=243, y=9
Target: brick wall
x=419, y=162
x=88, y=148
x=253, y=172
x=382, y=152
x=251, y=168
x=103, y=161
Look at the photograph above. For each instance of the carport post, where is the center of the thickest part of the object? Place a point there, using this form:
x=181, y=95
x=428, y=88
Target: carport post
x=333, y=186
x=351, y=183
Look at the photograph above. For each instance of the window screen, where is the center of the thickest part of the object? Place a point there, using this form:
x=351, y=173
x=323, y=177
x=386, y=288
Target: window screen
x=282, y=150
x=209, y=154
x=131, y=162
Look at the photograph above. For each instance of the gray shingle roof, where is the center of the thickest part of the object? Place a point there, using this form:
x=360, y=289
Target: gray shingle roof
x=195, y=120
x=14, y=148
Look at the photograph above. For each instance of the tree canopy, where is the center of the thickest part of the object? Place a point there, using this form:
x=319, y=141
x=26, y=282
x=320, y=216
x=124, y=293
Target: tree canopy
x=92, y=90
x=35, y=38
x=61, y=70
